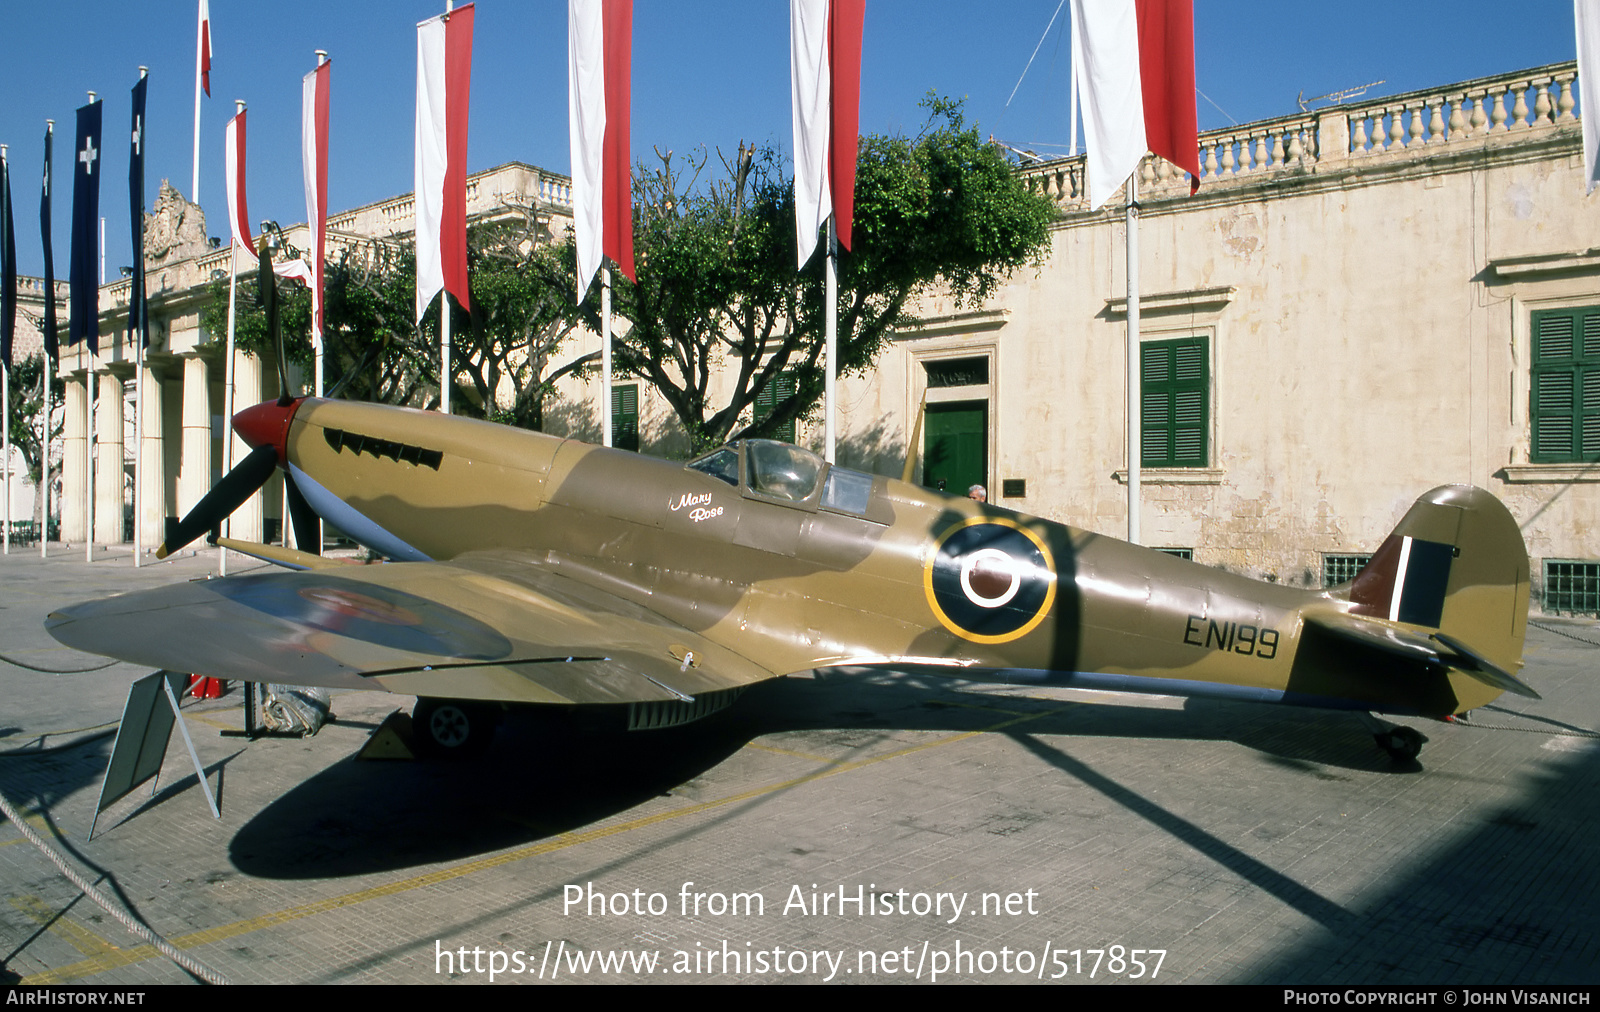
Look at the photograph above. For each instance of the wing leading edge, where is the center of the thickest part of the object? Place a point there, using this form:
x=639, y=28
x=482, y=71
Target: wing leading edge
x=483, y=626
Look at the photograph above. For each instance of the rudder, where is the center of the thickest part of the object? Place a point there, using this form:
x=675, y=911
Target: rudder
x=1456, y=563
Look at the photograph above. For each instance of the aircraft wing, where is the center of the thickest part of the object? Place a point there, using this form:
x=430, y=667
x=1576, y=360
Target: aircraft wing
x=485, y=626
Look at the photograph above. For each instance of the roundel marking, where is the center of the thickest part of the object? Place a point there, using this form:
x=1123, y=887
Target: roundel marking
x=990, y=580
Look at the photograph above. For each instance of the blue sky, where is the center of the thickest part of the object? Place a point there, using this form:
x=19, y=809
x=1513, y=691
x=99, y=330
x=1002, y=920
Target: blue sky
x=705, y=73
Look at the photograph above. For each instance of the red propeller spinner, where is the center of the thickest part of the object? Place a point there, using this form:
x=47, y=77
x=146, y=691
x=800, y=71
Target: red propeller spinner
x=267, y=424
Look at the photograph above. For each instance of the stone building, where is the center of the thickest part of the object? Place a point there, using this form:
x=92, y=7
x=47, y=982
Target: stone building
x=185, y=368
x=1361, y=302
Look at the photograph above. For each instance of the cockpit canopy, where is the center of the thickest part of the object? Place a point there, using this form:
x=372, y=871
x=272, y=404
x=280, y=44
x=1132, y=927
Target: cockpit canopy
x=786, y=473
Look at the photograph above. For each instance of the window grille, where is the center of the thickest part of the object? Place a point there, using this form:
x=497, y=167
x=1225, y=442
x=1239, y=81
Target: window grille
x=1337, y=569
x=1572, y=586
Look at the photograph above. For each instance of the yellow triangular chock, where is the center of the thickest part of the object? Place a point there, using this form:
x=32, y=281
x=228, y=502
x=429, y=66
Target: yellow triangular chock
x=392, y=739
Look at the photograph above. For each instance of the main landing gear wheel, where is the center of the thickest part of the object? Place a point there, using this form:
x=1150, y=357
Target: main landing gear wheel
x=1402, y=743
x=451, y=728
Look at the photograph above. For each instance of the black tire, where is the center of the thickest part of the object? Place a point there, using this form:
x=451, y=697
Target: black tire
x=451, y=728
x=1403, y=744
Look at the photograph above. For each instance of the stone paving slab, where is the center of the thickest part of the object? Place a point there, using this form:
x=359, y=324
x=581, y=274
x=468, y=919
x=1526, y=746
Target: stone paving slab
x=1253, y=844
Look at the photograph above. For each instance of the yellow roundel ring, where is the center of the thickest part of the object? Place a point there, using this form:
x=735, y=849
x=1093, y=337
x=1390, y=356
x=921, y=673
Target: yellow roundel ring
x=990, y=580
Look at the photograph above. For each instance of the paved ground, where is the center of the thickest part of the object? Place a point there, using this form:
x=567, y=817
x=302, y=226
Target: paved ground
x=1250, y=843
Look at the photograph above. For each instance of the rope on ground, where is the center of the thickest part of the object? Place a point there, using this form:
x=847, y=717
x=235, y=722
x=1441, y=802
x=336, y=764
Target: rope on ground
x=1530, y=730
x=1563, y=632
x=127, y=920
x=105, y=730
x=56, y=671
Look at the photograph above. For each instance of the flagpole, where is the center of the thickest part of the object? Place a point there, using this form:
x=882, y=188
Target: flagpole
x=444, y=317
x=227, y=383
x=138, y=368
x=605, y=356
x=44, y=455
x=5, y=377
x=49, y=339
x=1132, y=395
x=1072, y=76
x=316, y=324
x=444, y=350
x=88, y=454
x=88, y=402
x=199, y=42
x=5, y=406
x=831, y=337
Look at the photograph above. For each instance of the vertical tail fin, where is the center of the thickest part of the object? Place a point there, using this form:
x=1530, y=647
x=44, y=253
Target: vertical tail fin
x=1455, y=564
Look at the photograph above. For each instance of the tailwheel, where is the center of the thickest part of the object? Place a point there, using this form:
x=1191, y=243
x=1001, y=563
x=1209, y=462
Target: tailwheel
x=1402, y=743
x=451, y=728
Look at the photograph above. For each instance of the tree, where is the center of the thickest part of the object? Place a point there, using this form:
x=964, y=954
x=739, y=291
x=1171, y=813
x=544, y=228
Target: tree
x=522, y=313
x=26, y=379
x=717, y=304
x=375, y=350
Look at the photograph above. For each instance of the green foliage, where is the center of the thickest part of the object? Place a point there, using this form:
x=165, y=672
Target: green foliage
x=26, y=398
x=522, y=311
x=717, y=294
x=717, y=306
x=374, y=350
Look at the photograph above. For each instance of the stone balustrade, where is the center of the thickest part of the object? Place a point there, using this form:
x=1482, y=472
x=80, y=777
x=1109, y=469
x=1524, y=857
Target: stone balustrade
x=1526, y=103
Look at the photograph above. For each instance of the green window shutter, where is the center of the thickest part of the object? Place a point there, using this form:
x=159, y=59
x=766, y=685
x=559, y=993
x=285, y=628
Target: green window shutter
x=625, y=417
x=780, y=389
x=1564, y=399
x=1175, y=403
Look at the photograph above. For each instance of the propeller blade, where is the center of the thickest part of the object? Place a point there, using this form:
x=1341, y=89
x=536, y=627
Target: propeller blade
x=235, y=487
x=267, y=287
x=307, y=525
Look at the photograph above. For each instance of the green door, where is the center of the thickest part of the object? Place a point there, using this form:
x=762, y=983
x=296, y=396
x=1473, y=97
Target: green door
x=956, y=446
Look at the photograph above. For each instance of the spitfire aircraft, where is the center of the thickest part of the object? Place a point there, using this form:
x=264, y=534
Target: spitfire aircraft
x=530, y=569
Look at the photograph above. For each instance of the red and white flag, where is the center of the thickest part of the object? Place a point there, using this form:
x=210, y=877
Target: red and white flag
x=1586, y=17
x=825, y=81
x=599, y=82
x=205, y=46
x=244, y=247
x=444, y=79
x=314, y=152
x=1134, y=60
x=233, y=144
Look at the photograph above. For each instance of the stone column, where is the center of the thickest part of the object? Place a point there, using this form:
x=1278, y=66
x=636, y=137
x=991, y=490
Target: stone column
x=194, y=464
x=1333, y=135
x=74, y=527
x=110, y=476
x=153, y=465
x=246, y=522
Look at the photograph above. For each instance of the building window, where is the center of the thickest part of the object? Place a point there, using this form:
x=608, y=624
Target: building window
x=1337, y=569
x=1176, y=385
x=957, y=372
x=625, y=417
x=1571, y=586
x=1178, y=553
x=780, y=389
x=1564, y=403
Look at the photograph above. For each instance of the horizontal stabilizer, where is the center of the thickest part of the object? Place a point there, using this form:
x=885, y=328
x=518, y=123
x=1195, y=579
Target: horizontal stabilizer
x=1438, y=649
x=1483, y=669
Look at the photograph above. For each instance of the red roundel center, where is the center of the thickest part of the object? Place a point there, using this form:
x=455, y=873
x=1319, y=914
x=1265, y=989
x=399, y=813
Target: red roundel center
x=990, y=578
